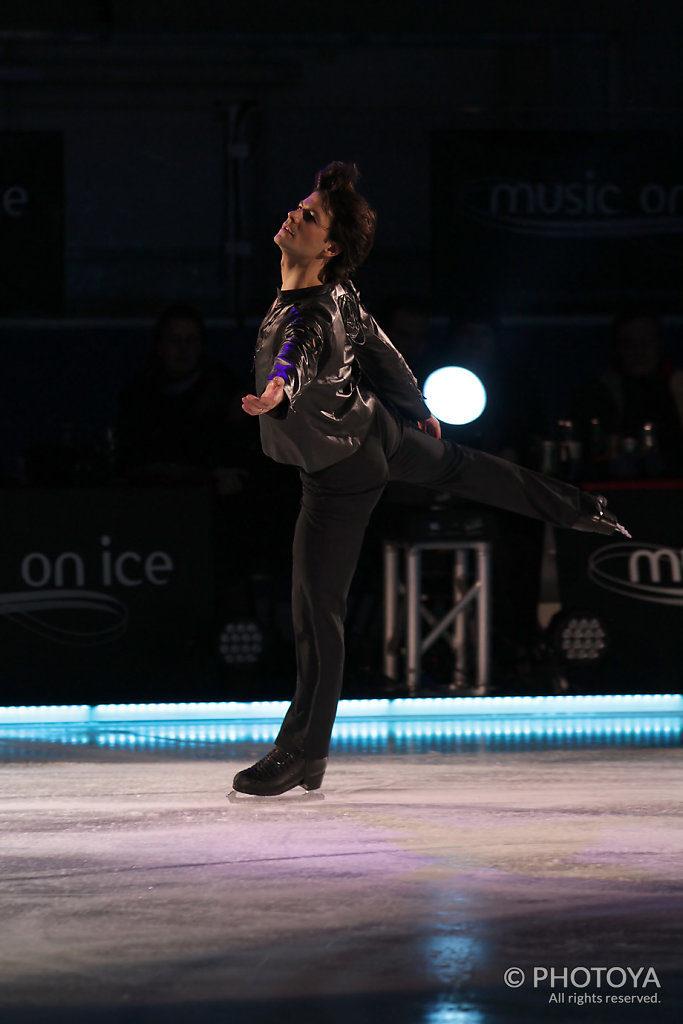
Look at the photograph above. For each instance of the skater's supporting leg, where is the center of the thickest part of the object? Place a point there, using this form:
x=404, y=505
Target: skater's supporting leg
x=335, y=511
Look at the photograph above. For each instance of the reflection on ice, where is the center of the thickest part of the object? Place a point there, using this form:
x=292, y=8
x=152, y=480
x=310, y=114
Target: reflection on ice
x=443, y=1011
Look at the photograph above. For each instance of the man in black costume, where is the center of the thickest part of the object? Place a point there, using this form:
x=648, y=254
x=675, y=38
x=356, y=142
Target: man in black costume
x=338, y=401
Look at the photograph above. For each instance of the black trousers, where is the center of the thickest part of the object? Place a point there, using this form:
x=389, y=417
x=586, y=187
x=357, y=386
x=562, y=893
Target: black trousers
x=335, y=510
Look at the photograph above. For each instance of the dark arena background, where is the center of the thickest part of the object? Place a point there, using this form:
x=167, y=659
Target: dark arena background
x=499, y=835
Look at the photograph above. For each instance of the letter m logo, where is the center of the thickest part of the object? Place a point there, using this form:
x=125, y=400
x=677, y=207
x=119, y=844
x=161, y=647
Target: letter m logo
x=661, y=565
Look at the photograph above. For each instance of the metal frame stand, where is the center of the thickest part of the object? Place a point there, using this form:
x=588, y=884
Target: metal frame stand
x=471, y=601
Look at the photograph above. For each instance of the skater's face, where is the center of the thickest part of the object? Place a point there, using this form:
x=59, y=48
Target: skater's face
x=304, y=234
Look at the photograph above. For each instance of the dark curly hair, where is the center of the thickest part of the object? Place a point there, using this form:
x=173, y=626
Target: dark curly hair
x=353, y=219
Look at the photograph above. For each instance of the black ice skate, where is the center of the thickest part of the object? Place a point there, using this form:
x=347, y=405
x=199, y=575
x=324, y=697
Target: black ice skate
x=597, y=519
x=278, y=772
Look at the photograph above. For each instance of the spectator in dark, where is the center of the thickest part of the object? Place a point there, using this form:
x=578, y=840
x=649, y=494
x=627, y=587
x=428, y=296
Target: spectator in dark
x=180, y=423
x=641, y=385
x=179, y=418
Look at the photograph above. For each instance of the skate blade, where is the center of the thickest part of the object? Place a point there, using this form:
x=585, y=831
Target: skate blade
x=290, y=796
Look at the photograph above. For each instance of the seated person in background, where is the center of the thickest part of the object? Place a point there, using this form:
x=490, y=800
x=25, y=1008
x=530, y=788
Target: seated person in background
x=179, y=418
x=641, y=386
x=180, y=423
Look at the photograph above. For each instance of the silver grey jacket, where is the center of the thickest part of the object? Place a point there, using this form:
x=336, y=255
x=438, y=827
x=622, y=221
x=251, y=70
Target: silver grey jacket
x=336, y=362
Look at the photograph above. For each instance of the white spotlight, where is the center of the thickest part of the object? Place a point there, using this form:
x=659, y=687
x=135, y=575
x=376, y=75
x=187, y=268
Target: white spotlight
x=455, y=395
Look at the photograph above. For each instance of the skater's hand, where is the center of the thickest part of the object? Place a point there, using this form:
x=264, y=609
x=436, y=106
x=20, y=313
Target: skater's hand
x=272, y=396
x=430, y=426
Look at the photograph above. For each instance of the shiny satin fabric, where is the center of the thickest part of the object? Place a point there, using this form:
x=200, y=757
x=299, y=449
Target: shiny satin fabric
x=335, y=361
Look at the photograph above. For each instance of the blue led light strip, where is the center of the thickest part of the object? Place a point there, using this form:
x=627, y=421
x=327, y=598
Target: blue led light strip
x=381, y=709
